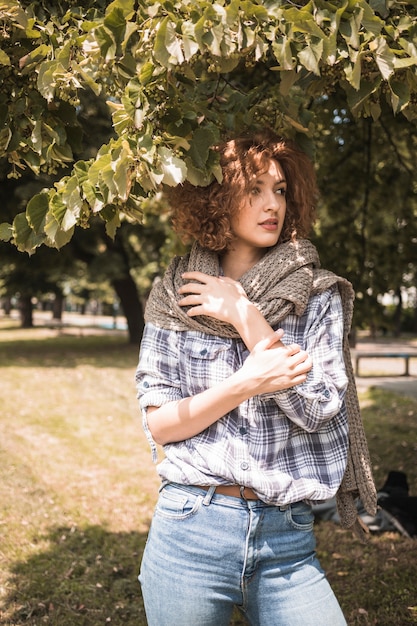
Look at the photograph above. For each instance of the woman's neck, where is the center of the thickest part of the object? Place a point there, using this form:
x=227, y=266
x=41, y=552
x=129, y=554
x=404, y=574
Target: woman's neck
x=234, y=265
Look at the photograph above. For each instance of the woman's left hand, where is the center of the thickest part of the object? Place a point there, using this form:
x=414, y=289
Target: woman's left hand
x=220, y=297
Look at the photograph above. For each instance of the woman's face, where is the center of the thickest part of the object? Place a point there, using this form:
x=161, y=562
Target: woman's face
x=258, y=223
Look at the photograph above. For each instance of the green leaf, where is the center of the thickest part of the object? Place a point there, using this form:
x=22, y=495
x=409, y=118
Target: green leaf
x=331, y=41
x=115, y=21
x=64, y=217
x=354, y=72
x=409, y=46
x=122, y=177
x=36, y=210
x=35, y=56
x=24, y=236
x=197, y=176
x=4, y=58
x=288, y=79
x=357, y=98
x=48, y=72
x=400, y=95
x=190, y=44
x=168, y=50
x=57, y=237
x=106, y=43
x=72, y=200
x=214, y=38
x=89, y=192
x=203, y=139
x=379, y=6
x=145, y=72
x=59, y=154
x=6, y=231
x=370, y=21
x=173, y=168
x=81, y=169
x=311, y=56
x=112, y=224
x=283, y=53
x=350, y=32
x=384, y=57
x=88, y=79
x=227, y=65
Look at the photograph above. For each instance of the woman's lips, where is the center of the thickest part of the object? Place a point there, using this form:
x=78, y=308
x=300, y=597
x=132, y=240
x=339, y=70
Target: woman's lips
x=269, y=224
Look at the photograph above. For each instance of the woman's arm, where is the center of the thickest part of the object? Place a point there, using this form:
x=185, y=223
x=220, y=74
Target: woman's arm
x=321, y=396
x=225, y=299
x=267, y=369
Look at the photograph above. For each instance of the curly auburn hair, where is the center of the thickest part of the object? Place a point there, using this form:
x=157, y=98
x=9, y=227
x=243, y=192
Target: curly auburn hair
x=203, y=213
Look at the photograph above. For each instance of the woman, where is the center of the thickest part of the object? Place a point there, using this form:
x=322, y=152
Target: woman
x=244, y=378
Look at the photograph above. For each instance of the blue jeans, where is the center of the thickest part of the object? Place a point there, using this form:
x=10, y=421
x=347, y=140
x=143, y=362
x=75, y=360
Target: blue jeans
x=207, y=553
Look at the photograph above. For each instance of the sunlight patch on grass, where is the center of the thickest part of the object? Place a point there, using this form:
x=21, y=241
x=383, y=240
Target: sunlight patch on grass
x=77, y=491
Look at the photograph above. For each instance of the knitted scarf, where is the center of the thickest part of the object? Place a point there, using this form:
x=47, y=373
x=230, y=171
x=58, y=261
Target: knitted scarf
x=280, y=283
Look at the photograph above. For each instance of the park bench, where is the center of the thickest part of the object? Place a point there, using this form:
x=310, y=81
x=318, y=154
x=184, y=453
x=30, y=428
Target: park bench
x=386, y=355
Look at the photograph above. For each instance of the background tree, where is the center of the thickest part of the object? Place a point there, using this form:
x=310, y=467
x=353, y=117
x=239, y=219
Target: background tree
x=368, y=216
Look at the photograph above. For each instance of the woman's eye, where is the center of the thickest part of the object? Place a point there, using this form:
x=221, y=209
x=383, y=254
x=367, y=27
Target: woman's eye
x=281, y=191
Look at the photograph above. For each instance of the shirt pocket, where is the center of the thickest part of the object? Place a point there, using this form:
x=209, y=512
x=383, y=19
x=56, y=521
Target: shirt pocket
x=206, y=361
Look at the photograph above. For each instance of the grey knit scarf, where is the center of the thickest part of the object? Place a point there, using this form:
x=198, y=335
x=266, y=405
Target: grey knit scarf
x=280, y=283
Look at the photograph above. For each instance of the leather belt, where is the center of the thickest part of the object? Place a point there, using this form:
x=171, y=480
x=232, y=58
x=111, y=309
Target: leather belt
x=236, y=491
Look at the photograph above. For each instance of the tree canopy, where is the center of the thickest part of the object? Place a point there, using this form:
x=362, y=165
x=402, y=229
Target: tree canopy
x=177, y=75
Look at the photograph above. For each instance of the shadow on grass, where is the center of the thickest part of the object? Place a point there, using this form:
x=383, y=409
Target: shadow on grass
x=84, y=577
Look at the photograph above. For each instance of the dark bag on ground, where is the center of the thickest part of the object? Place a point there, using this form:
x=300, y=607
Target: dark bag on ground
x=397, y=511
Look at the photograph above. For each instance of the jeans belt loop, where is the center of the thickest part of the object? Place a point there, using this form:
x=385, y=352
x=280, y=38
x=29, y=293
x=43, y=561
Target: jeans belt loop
x=210, y=494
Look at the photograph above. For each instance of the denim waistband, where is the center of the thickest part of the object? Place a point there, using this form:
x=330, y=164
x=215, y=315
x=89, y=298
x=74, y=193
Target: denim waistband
x=210, y=494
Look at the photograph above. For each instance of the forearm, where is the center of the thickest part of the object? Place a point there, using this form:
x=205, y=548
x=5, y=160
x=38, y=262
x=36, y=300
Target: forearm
x=268, y=368
x=225, y=300
x=182, y=419
x=252, y=326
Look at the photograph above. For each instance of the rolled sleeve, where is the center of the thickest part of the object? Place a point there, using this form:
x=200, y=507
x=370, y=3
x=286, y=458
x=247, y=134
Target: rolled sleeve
x=321, y=397
x=157, y=374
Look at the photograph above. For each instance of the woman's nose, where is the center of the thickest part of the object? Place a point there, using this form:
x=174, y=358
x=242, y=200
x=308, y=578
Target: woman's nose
x=273, y=202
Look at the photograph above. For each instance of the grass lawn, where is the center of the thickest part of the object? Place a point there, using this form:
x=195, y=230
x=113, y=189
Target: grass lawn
x=77, y=490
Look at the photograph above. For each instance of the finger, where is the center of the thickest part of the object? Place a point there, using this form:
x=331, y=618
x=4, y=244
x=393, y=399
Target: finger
x=302, y=364
x=195, y=310
x=294, y=348
x=191, y=300
x=191, y=288
x=200, y=276
x=298, y=380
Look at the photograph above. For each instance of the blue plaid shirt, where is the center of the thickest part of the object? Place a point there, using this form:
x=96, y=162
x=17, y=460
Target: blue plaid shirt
x=287, y=446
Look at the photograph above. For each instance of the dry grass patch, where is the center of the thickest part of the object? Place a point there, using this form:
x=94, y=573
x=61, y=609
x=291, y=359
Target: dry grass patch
x=77, y=490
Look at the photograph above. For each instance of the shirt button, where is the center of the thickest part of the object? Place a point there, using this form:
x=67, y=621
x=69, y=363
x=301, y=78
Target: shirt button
x=326, y=393
x=203, y=352
x=243, y=430
x=146, y=384
x=244, y=465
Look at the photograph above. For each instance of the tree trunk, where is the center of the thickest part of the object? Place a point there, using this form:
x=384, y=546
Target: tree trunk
x=132, y=307
x=7, y=305
x=57, y=306
x=398, y=314
x=26, y=311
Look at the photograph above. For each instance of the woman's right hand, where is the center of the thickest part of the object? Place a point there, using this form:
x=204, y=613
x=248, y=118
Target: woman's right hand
x=272, y=366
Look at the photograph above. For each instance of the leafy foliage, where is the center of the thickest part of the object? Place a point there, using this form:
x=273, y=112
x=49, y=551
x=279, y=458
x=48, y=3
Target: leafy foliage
x=177, y=75
x=368, y=229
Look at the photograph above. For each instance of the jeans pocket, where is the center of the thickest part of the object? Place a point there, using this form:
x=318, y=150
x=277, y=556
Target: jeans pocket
x=175, y=504
x=300, y=516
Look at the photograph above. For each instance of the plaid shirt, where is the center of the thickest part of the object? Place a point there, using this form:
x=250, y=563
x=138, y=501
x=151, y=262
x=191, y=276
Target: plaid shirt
x=287, y=446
